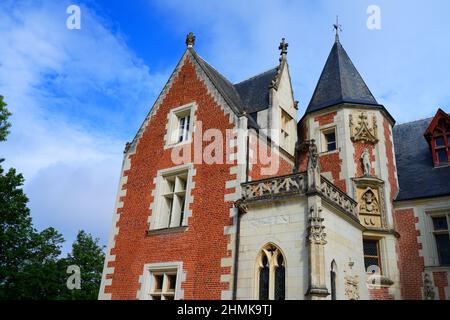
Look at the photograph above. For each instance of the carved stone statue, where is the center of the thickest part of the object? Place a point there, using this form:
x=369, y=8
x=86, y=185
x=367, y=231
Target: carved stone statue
x=365, y=157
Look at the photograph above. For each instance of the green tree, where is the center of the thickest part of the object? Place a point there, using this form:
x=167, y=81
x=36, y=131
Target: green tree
x=31, y=266
x=15, y=230
x=4, y=124
x=43, y=274
x=89, y=256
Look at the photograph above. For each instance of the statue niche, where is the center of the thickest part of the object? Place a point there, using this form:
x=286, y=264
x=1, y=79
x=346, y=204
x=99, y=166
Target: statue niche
x=369, y=209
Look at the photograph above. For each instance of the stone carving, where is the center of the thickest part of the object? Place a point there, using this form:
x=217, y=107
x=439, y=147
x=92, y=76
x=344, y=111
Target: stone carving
x=283, y=47
x=369, y=192
x=367, y=165
x=127, y=147
x=273, y=187
x=313, y=156
x=428, y=288
x=369, y=203
x=362, y=131
x=317, y=233
x=190, y=40
x=351, y=283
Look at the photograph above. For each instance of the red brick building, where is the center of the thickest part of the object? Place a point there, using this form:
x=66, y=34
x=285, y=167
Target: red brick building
x=224, y=195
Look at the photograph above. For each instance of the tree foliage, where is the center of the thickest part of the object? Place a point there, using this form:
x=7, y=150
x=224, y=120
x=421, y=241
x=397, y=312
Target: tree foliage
x=4, y=124
x=31, y=266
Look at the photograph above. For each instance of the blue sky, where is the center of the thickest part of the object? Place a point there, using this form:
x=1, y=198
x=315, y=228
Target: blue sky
x=78, y=95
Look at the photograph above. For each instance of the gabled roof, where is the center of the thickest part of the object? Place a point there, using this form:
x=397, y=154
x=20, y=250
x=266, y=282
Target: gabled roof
x=225, y=87
x=418, y=178
x=440, y=114
x=340, y=82
x=254, y=92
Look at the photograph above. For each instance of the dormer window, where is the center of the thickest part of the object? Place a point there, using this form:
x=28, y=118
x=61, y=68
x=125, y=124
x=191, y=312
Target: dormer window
x=180, y=125
x=438, y=136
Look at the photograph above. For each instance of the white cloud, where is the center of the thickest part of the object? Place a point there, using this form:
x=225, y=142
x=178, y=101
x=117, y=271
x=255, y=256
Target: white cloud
x=405, y=64
x=73, y=95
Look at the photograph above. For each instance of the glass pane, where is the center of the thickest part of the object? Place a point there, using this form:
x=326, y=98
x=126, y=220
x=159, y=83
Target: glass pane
x=443, y=246
x=442, y=156
x=264, y=284
x=370, y=248
x=440, y=223
x=368, y=262
x=331, y=146
x=158, y=282
x=439, y=141
x=331, y=137
x=182, y=201
x=331, y=141
x=279, y=283
x=172, y=278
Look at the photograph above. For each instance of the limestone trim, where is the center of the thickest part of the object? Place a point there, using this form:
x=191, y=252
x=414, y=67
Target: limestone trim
x=109, y=257
x=154, y=218
x=145, y=279
x=172, y=124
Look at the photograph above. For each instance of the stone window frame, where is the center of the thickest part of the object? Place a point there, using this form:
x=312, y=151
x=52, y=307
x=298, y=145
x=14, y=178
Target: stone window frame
x=172, y=125
x=286, y=141
x=430, y=235
x=381, y=252
x=323, y=141
x=272, y=268
x=147, y=280
x=155, y=217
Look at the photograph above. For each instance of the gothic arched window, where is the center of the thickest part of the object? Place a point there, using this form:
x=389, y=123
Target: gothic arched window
x=271, y=273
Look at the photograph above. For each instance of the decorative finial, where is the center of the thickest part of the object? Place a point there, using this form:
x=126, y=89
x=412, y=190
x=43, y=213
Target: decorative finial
x=283, y=48
x=338, y=28
x=190, y=40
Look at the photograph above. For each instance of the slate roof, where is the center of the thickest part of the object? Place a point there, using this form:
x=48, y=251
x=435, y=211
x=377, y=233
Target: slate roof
x=248, y=96
x=417, y=176
x=254, y=92
x=340, y=82
x=224, y=86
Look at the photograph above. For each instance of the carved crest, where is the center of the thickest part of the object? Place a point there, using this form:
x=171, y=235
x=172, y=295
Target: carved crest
x=428, y=288
x=363, y=131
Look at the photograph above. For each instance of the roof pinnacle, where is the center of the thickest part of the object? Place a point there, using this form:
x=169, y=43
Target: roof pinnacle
x=283, y=48
x=190, y=40
x=338, y=28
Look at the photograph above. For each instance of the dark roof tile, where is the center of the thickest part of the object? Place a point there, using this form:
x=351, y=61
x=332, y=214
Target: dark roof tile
x=417, y=176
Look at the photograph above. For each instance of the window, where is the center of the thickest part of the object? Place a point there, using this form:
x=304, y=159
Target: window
x=286, y=124
x=371, y=255
x=441, y=235
x=329, y=140
x=184, y=123
x=173, y=199
x=163, y=285
x=441, y=143
x=271, y=274
x=333, y=280
x=180, y=125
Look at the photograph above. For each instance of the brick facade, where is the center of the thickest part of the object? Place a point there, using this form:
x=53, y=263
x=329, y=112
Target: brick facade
x=411, y=264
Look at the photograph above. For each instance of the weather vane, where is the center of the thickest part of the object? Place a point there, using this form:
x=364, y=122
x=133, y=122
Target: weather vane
x=337, y=27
